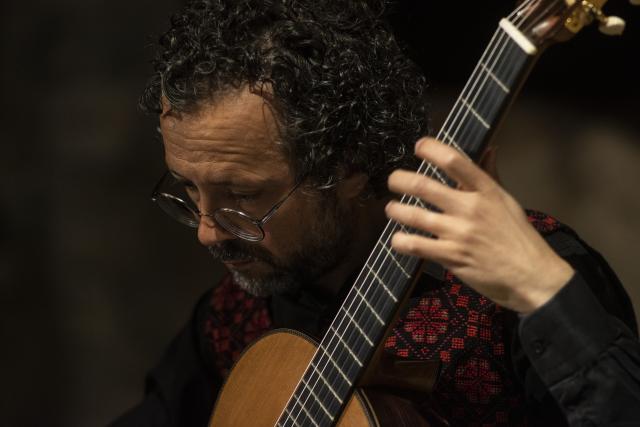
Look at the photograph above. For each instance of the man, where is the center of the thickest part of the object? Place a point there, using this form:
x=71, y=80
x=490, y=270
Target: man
x=281, y=123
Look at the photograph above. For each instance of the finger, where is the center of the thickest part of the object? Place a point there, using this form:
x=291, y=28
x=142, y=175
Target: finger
x=424, y=188
x=455, y=164
x=443, y=252
x=421, y=219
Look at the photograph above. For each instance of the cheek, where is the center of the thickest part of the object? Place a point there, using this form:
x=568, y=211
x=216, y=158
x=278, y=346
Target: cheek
x=286, y=231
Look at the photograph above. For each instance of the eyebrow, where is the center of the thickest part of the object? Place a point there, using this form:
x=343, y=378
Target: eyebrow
x=182, y=179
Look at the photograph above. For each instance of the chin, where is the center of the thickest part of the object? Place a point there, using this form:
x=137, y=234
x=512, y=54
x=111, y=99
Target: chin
x=264, y=286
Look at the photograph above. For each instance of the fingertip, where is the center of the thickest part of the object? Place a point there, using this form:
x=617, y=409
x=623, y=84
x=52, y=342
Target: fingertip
x=394, y=240
x=422, y=142
x=398, y=239
x=388, y=207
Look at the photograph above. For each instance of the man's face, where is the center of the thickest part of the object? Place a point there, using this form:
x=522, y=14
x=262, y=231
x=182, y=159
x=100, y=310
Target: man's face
x=228, y=155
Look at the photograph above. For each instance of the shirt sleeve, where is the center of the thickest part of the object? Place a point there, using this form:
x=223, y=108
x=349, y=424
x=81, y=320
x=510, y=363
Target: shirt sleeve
x=588, y=359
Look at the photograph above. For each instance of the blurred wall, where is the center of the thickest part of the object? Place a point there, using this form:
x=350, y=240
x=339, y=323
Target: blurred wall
x=94, y=280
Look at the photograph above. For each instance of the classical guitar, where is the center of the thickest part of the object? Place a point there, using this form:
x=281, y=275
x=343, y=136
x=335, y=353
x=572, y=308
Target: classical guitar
x=286, y=379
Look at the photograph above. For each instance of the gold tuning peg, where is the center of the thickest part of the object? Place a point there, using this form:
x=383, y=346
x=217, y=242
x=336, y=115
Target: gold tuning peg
x=587, y=11
x=611, y=25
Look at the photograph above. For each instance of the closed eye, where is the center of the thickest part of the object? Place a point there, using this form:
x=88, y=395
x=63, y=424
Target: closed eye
x=244, y=196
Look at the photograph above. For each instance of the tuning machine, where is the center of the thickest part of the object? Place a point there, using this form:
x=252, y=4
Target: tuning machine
x=586, y=11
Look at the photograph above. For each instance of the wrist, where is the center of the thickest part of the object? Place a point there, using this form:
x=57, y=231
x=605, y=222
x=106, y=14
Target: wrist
x=555, y=276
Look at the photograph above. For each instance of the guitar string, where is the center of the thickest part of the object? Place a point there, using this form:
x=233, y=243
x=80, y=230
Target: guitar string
x=472, y=131
x=453, y=141
x=471, y=102
x=323, y=391
x=430, y=168
x=386, y=273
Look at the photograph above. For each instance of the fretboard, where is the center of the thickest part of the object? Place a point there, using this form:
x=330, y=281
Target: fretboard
x=368, y=309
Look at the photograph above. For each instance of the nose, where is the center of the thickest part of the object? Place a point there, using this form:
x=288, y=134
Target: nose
x=210, y=233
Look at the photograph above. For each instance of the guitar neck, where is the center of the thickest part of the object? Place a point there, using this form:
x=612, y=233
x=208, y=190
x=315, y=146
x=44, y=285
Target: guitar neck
x=494, y=83
x=366, y=314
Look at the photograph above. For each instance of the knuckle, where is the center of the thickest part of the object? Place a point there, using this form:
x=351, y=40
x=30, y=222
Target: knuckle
x=471, y=206
x=420, y=185
x=466, y=233
x=475, y=204
x=413, y=217
x=426, y=218
x=461, y=255
x=410, y=246
x=450, y=160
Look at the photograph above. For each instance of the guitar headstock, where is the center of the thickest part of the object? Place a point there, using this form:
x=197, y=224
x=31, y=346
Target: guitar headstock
x=545, y=22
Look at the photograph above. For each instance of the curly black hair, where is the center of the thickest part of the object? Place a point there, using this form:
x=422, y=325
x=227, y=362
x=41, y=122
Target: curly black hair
x=347, y=98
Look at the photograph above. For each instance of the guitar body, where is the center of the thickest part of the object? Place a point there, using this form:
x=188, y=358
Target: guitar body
x=262, y=381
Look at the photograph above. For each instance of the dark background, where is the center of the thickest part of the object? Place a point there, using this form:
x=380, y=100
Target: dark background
x=95, y=280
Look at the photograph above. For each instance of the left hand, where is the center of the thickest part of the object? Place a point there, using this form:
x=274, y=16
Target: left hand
x=483, y=235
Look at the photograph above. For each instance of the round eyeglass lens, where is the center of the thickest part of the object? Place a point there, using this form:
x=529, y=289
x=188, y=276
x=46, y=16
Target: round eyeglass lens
x=177, y=209
x=239, y=224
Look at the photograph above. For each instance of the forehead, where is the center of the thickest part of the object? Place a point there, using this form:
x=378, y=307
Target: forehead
x=235, y=138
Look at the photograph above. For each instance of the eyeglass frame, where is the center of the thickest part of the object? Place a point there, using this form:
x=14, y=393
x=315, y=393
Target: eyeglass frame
x=259, y=223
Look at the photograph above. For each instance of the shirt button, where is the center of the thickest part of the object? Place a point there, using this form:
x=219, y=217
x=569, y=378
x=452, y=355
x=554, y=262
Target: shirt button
x=538, y=347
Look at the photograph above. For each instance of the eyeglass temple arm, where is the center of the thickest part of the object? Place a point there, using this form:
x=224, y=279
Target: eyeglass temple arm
x=274, y=209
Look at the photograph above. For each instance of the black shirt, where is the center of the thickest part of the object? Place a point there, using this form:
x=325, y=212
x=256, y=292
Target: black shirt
x=578, y=356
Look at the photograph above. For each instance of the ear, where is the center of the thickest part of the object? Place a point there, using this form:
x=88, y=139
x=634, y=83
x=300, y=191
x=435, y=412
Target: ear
x=352, y=186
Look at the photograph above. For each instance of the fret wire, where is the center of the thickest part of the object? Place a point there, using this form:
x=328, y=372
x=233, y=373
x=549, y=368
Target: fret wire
x=293, y=421
x=327, y=390
x=466, y=91
x=373, y=311
x=357, y=325
x=473, y=135
x=345, y=345
x=469, y=86
x=333, y=362
x=515, y=61
x=315, y=396
x=329, y=386
x=381, y=282
x=466, y=133
x=474, y=113
x=394, y=258
x=495, y=78
x=307, y=410
x=304, y=412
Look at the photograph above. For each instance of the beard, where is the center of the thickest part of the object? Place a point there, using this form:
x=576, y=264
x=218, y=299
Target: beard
x=324, y=245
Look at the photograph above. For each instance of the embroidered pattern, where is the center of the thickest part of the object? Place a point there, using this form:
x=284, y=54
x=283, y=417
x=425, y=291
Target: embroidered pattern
x=453, y=324
x=235, y=320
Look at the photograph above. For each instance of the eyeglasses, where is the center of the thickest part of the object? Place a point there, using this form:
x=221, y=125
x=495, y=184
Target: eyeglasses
x=236, y=222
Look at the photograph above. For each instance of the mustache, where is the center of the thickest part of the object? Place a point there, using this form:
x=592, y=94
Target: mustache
x=237, y=251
